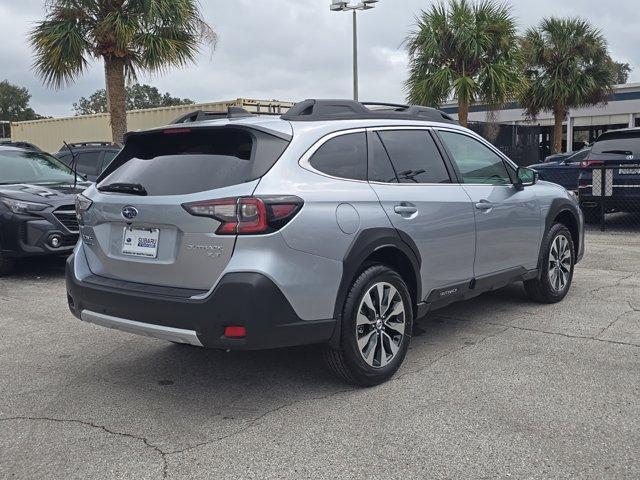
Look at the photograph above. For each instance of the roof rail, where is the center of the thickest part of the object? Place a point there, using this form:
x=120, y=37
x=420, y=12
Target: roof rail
x=201, y=115
x=100, y=143
x=323, y=110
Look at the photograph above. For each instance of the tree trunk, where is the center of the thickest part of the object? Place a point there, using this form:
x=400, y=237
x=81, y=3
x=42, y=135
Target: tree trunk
x=116, y=100
x=463, y=113
x=559, y=115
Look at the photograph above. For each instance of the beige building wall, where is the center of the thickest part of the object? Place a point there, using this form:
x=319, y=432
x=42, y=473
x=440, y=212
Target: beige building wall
x=49, y=134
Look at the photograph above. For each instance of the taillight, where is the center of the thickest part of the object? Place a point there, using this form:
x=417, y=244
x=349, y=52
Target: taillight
x=591, y=163
x=247, y=215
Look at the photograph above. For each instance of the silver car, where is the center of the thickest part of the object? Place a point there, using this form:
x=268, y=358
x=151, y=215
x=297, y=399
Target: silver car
x=338, y=223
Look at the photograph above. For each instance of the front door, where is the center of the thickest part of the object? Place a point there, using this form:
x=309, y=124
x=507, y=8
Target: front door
x=411, y=179
x=508, y=219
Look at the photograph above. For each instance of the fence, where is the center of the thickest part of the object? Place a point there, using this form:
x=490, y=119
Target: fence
x=610, y=197
x=521, y=143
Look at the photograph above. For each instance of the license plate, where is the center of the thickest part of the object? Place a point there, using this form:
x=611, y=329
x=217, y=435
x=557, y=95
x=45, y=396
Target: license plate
x=635, y=170
x=140, y=242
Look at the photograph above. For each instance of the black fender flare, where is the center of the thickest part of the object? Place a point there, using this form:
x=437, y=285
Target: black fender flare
x=559, y=206
x=367, y=242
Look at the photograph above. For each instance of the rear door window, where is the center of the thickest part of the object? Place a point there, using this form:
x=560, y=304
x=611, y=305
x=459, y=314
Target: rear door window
x=380, y=168
x=182, y=161
x=88, y=162
x=343, y=157
x=415, y=157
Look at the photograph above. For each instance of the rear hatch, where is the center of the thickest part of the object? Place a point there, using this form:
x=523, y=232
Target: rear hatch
x=619, y=153
x=138, y=229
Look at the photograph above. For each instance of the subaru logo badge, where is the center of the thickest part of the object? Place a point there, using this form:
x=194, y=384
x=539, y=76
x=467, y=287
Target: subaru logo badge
x=129, y=213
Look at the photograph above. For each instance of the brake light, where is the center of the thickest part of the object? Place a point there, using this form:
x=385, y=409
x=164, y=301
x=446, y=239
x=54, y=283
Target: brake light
x=247, y=215
x=591, y=163
x=175, y=131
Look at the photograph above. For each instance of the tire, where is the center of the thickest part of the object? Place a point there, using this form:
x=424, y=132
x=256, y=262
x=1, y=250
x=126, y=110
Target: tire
x=6, y=265
x=554, y=282
x=373, y=362
x=591, y=215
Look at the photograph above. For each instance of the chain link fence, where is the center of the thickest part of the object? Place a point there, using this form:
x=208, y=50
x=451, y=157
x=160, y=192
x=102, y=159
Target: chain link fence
x=610, y=197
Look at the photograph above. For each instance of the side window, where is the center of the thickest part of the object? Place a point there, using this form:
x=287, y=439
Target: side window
x=414, y=156
x=477, y=163
x=106, y=159
x=380, y=168
x=87, y=162
x=343, y=157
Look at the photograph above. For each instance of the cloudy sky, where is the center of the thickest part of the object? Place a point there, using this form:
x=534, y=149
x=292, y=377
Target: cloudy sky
x=295, y=49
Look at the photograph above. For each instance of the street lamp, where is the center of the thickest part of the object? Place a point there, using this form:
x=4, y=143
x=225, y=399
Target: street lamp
x=342, y=6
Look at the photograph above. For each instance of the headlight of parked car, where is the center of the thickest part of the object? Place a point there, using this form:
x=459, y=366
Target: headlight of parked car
x=19, y=206
x=82, y=205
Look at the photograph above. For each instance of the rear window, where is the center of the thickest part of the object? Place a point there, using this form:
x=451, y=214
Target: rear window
x=622, y=143
x=182, y=161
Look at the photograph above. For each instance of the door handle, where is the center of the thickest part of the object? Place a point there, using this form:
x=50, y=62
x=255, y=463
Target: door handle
x=484, y=205
x=405, y=209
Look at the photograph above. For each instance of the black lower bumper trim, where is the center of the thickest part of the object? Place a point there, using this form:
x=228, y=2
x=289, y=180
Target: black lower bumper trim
x=240, y=299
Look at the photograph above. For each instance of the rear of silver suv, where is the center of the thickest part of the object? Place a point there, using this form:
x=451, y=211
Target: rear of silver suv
x=324, y=226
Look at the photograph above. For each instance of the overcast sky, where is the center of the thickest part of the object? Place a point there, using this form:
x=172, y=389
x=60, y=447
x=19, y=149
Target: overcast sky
x=295, y=49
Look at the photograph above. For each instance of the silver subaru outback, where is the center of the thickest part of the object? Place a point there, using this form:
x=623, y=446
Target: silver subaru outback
x=338, y=223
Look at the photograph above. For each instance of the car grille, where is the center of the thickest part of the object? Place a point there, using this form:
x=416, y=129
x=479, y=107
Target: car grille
x=67, y=216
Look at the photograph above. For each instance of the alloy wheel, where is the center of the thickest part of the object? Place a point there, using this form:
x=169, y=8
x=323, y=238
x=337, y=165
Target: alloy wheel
x=380, y=324
x=559, y=263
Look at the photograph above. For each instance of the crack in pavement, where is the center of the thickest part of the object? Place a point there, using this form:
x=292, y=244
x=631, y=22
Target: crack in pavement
x=146, y=442
x=615, y=320
x=616, y=284
x=547, y=332
x=445, y=355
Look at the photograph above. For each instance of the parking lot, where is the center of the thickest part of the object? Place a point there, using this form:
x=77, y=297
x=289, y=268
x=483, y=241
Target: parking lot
x=497, y=387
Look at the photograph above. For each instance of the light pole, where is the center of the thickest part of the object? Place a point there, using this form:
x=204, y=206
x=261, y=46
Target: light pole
x=342, y=6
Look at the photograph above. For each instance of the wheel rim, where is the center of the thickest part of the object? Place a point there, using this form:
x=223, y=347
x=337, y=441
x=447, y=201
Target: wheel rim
x=559, y=263
x=380, y=324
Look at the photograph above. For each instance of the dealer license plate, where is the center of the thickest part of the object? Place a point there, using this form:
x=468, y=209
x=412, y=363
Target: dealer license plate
x=140, y=242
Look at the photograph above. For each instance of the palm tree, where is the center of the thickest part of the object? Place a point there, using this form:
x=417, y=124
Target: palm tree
x=128, y=35
x=567, y=65
x=466, y=48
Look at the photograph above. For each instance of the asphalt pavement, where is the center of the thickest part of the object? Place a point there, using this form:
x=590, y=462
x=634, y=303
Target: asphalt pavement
x=496, y=387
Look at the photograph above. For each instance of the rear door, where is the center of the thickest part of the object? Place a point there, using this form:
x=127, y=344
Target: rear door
x=415, y=188
x=152, y=239
x=508, y=220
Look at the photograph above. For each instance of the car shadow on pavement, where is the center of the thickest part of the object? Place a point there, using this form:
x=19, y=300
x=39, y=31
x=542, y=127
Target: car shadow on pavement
x=39, y=267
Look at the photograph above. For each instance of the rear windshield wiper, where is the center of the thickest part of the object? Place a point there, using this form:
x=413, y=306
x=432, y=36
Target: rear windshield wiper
x=130, y=188
x=619, y=152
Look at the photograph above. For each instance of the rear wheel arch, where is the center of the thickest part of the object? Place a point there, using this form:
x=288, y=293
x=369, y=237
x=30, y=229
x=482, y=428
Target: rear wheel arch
x=383, y=246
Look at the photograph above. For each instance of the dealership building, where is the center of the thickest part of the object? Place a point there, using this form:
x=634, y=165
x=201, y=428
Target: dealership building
x=583, y=125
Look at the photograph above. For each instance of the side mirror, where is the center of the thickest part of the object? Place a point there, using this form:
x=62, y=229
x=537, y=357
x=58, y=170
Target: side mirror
x=526, y=177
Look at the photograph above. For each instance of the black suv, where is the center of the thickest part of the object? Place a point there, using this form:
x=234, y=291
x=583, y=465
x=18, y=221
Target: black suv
x=610, y=175
x=37, y=206
x=91, y=158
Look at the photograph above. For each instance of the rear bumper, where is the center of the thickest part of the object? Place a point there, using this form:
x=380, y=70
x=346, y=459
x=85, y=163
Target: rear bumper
x=250, y=300
x=617, y=202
